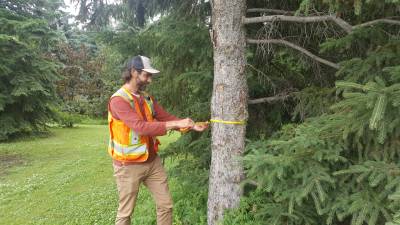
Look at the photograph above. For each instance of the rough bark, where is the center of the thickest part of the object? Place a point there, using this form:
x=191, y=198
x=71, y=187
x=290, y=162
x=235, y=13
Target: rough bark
x=229, y=102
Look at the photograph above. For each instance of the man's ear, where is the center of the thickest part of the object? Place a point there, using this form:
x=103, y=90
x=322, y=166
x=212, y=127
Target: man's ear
x=133, y=71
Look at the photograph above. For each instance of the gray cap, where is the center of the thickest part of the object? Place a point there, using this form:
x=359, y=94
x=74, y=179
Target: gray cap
x=142, y=63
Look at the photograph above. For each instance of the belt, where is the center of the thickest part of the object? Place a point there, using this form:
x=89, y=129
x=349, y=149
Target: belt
x=124, y=163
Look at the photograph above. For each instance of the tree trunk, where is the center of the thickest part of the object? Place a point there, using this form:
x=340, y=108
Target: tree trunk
x=229, y=103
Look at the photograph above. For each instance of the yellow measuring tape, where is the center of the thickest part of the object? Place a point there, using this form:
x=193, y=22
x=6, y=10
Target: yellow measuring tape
x=185, y=130
x=228, y=122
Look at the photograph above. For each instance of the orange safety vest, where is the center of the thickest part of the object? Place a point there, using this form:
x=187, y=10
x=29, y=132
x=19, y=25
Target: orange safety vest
x=125, y=144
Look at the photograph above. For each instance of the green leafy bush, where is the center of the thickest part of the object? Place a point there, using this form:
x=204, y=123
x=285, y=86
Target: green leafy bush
x=65, y=119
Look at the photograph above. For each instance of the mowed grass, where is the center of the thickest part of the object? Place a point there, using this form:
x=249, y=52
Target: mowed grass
x=66, y=178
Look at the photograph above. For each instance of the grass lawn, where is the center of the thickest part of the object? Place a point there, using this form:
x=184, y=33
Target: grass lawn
x=65, y=178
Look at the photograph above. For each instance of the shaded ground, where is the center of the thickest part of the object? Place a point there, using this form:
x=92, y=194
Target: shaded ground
x=8, y=161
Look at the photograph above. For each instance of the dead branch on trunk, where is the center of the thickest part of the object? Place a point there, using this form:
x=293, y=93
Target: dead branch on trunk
x=312, y=19
x=275, y=11
x=296, y=47
x=300, y=19
x=268, y=99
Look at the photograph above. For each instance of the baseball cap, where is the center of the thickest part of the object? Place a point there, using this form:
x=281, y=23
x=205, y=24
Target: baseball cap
x=142, y=63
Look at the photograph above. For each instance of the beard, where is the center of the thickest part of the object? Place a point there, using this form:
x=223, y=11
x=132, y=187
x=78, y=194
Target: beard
x=141, y=84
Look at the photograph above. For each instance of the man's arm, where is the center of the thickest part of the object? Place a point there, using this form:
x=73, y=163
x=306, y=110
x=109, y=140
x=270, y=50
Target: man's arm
x=161, y=114
x=121, y=110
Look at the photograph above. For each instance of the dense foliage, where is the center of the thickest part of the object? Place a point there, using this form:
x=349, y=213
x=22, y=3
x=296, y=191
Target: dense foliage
x=338, y=163
x=27, y=73
x=81, y=89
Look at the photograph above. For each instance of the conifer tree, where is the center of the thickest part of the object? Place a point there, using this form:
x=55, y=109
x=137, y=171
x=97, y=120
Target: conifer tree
x=27, y=73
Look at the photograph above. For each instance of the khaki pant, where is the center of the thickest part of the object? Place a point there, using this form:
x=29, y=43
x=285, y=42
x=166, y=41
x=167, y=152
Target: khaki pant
x=154, y=177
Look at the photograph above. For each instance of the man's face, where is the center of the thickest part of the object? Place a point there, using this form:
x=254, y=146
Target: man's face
x=143, y=79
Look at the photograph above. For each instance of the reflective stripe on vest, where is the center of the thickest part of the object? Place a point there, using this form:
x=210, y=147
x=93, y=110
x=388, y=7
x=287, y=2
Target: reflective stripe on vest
x=125, y=150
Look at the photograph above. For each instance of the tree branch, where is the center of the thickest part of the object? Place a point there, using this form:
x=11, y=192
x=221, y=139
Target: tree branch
x=310, y=19
x=389, y=21
x=252, y=182
x=296, y=47
x=276, y=11
x=300, y=19
x=268, y=99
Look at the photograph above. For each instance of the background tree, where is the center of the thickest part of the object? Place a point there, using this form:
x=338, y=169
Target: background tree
x=81, y=89
x=27, y=70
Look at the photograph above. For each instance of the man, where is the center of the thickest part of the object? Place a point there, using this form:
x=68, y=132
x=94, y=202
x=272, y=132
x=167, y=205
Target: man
x=135, y=119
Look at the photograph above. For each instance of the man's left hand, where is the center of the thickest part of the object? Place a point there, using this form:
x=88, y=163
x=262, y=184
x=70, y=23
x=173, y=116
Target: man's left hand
x=200, y=126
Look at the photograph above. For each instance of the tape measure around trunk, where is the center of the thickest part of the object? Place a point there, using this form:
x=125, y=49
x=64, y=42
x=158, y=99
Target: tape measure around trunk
x=228, y=122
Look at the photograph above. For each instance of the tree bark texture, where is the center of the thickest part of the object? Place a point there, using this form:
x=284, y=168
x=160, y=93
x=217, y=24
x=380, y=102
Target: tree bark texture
x=229, y=103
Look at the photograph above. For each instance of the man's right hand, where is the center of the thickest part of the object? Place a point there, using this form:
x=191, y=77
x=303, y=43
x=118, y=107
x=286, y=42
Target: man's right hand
x=185, y=123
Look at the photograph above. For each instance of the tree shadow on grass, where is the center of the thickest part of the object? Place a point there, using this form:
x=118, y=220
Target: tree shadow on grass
x=7, y=161
x=27, y=136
